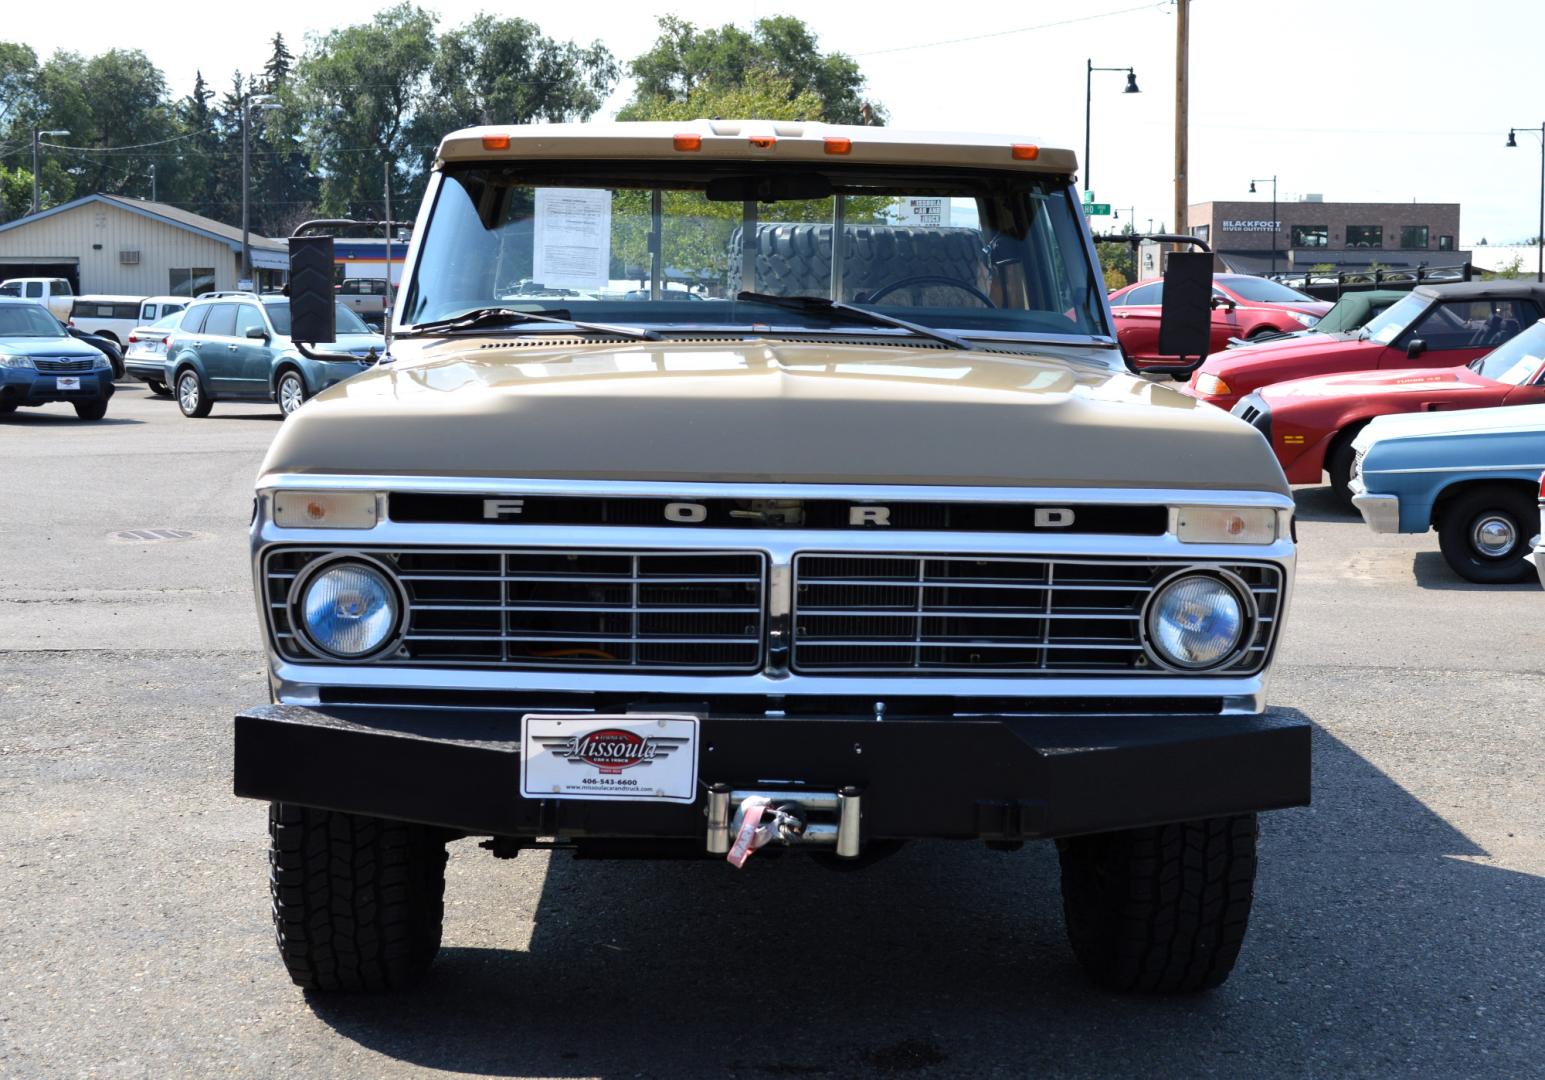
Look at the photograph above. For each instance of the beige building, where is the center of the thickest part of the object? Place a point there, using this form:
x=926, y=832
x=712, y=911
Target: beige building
x=130, y=247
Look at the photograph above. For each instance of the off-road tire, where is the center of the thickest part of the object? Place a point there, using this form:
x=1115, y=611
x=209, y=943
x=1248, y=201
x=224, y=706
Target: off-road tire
x=1160, y=910
x=796, y=259
x=90, y=410
x=358, y=901
x=1457, y=519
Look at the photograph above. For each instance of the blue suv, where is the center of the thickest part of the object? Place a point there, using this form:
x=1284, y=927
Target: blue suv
x=236, y=347
x=40, y=363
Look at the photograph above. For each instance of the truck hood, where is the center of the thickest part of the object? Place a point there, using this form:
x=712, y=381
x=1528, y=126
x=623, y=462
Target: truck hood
x=1501, y=420
x=1374, y=384
x=765, y=412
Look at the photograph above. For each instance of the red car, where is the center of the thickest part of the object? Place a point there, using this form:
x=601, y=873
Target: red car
x=1242, y=307
x=1310, y=423
x=1436, y=326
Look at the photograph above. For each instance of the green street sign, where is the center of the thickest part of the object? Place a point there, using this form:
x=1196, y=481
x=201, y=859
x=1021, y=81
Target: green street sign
x=1097, y=209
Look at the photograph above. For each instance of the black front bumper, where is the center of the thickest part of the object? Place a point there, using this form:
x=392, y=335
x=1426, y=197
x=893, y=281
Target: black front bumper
x=995, y=777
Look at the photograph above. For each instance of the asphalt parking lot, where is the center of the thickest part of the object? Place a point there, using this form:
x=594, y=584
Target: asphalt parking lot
x=1399, y=924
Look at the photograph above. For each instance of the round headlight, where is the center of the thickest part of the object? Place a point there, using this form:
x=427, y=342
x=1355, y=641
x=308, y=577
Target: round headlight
x=349, y=609
x=1196, y=621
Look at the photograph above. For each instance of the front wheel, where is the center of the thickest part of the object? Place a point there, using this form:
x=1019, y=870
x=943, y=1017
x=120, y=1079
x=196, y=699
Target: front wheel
x=191, y=398
x=1485, y=534
x=1338, y=466
x=1160, y=910
x=358, y=901
x=290, y=393
x=91, y=410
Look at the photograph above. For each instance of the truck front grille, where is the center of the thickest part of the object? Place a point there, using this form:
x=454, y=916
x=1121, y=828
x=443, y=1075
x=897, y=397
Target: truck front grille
x=962, y=613
x=555, y=609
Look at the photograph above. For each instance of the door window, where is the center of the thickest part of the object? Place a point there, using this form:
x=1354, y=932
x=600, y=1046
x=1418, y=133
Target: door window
x=61, y=287
x=221, y=321
x=148, y=314
x=247, y=317
x=35, y=289
x=1473, y=324
x=1145, y=294
x=193, y=321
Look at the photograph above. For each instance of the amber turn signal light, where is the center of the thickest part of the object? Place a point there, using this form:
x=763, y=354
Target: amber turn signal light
x=763, y=142
x=687, y=142
x=839, y=146
x=1026, y=151
x=496, y=142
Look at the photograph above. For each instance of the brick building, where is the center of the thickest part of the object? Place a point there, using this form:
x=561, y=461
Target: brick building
x=1310, y=231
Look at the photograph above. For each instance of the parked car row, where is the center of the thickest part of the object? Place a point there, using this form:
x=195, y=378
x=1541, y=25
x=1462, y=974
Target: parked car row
x=1358, y=408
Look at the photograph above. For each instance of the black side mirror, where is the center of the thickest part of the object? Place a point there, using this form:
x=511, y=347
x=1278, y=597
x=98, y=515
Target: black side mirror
x=313, y=299
x=257, y=333
x=1185, y=320
x=1223, y=301
x=1415, y=348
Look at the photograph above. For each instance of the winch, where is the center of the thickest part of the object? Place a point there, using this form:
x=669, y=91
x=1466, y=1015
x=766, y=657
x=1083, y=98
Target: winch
x=740, y=822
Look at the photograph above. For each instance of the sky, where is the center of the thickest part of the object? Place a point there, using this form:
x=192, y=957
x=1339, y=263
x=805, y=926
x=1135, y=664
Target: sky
x=1355, y=100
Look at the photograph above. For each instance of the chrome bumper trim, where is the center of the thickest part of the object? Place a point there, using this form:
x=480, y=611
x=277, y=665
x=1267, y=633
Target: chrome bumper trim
x=1381, y=512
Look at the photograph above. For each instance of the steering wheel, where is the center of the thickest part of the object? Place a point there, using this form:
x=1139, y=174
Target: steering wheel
x=929, y=279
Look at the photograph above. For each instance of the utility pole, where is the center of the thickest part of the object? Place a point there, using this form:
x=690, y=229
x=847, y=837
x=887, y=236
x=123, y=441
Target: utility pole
x=37, y=198
x=248, y=100
x=1182, y=95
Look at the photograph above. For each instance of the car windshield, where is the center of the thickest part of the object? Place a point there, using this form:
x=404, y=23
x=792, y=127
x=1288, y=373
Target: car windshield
x=664, y=244
x=1263, y=291
x=167, y=322
x=1386, y=327
x=1515, y=361
x=346, y=322
x=28, y=320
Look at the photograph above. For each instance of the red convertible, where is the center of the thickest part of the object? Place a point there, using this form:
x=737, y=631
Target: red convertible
x=1242, y=307
x=1311, y=423
x=1437, y=326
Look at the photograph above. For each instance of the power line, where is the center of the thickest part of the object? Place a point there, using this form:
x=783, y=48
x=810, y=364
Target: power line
x=1017, y=30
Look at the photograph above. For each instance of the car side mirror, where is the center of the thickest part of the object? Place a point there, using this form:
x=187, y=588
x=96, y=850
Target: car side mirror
x=1223, y=301
x=1415, y=348
x=257, y=333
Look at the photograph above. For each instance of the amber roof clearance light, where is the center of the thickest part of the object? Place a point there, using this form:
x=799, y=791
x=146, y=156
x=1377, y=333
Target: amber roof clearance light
x=1026, y=151
x=496, y=142
x=687, y=142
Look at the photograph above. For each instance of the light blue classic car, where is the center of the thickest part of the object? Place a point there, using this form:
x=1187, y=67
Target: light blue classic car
x=1473, y=475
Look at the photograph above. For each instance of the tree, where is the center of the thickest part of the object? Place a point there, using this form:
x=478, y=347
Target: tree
x=18, y=85
x=15, y=192
x=1513, y=268
x=279, y=64
x=685, y=60
x=359, y=89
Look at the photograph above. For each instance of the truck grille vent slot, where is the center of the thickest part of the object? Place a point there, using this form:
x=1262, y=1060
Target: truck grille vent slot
x=556, y=609
x=984, y=615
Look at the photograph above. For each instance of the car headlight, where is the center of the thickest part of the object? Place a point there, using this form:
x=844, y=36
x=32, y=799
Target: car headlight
x=349, y=609
x=1196, y=621
x=101, y=363
x=1303, y=319
x=1211, y=385
x=23, y=362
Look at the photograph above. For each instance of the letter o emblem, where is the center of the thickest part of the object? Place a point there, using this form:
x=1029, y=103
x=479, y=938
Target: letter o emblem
x=688, y=513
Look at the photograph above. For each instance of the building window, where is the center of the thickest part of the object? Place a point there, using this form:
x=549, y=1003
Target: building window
x=1203, y=233
x=1413, y=236
x=1307, y=236
x=1445, y=243
x=190, y=281
x=1365, y=236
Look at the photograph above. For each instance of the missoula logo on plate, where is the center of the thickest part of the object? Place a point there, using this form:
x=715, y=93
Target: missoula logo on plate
x=610, y=749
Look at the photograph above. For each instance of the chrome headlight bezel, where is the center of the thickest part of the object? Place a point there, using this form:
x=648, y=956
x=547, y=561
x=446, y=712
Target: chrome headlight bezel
x=301, y=586
x=1248, y=620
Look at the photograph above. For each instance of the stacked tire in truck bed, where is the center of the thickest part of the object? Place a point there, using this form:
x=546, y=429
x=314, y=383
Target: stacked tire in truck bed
x=795, y=259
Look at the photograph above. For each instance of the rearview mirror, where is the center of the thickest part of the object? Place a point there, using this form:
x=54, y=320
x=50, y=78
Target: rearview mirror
x=1415, y=348
x=1185, y=319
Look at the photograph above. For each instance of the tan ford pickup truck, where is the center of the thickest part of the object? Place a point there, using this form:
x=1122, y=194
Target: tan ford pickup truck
x=877, y=539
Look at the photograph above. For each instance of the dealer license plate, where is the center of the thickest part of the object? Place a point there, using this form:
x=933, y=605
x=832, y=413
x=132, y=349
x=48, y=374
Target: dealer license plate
x=68, y=382
x=636, y=757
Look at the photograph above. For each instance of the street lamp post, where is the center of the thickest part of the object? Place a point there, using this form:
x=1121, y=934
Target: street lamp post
x=1273, y=218
x=1089, y=70
x=265, y=102
x=1539, y=237
x=1115, y=215
x=152, y=183
x=37, y=134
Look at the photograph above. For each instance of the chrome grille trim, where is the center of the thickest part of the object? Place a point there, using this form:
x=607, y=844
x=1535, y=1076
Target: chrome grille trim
x=63, y=364
x=930, y=613
x=490, y=607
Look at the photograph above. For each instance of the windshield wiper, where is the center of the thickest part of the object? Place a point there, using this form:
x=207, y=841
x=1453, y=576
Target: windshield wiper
x=485, y=318
x=820, y=305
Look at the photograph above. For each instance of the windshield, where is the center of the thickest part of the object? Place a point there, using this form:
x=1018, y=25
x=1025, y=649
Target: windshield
x=662, y=244
x=346, y=322
x=28, y=320
x=1517, y=360
x=1262, y=291
x=1386, y=327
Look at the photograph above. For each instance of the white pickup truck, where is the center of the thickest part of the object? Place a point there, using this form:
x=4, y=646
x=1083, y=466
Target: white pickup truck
x=116, y=317
x=53, y=293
